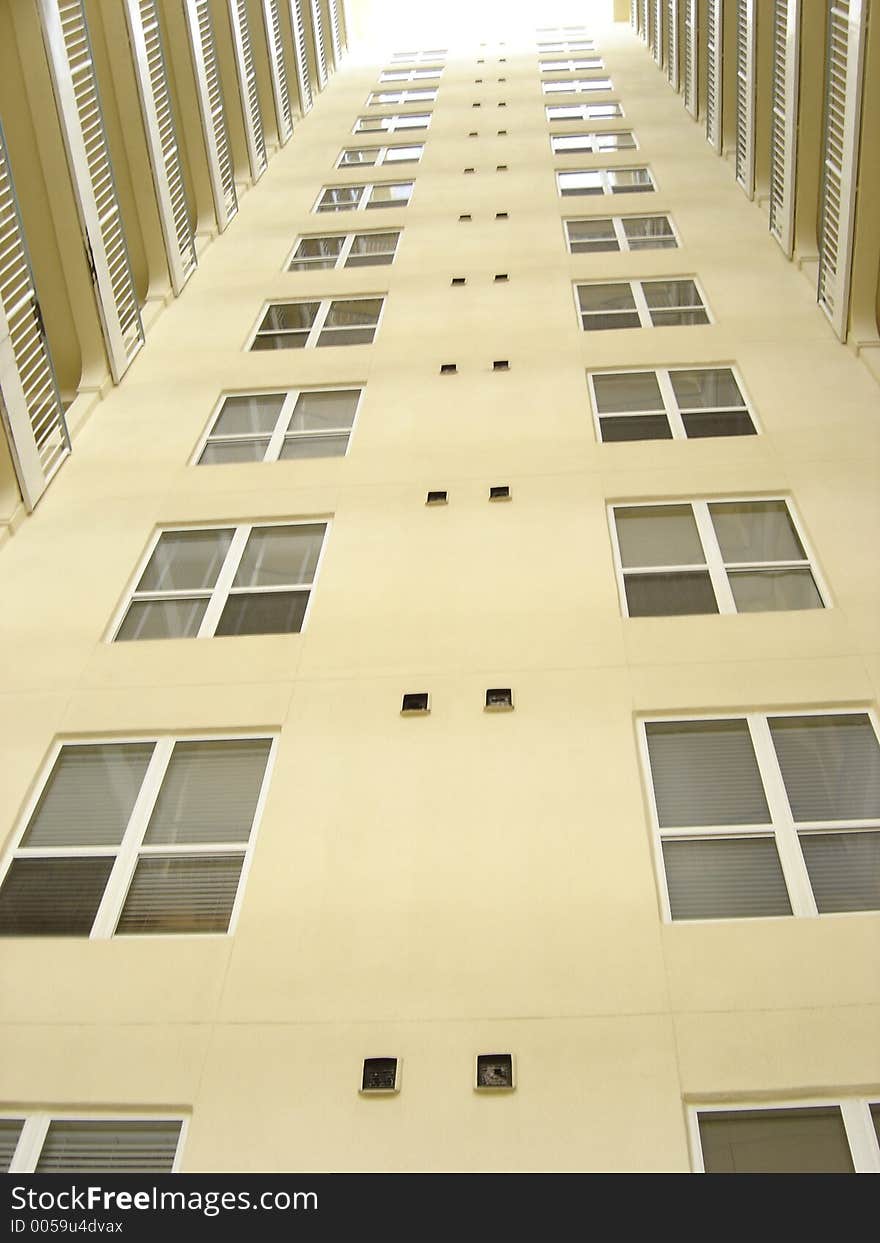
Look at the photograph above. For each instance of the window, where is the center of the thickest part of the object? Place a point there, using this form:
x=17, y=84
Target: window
x=664, y=404
x=567, y=45
x=305, y=325
x=641, y=304
x=266, y=427
x=63, y=1143
x=364, y=198
x=203, y=581
x=584, y=112
x=380, y=155
x=597, y=233
x=765, y=814
x=605, y=181
x=576, y=86
x=813, y=1137
x=390, y=124
x=571, y=65
x=380, y=98
x=419, y=57
x=731, y=556
x=344, y=250
x=411, y=75
x=138, y=838
x=594, y=144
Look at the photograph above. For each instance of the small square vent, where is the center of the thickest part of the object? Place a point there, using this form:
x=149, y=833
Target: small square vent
x=501, y=492
x=470, y=170
x=501, y=276
x=501, y=364
x=501, y=215
x=415, y=703
x=448, y=369
x=474, y=134
x=495, y=1070
x=466, y=216
x=459, y=280
x=499, y=699
x=380, y=1074
x=476, y=105
x=503, y=103
x=500, y=168
x=502, y=133
x=436, y=498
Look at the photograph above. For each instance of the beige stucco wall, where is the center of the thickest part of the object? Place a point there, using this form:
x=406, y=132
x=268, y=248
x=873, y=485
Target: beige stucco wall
x=438, y=887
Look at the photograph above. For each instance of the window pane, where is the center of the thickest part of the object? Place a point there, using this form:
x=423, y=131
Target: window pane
x=219, y=452
x=52, y=897
x=353, y=313
x=289, y=316
x=592, y=235
x=673, y=319
x=162, y=619
x=707, y=388
x=658, y=535
x=186, y=560
x=316, y=411
x=611, y=297
x=638, y=427
x=705, y=773
x=10, y=1129
x=209, y=792
x=314, y=446
x=281, y=341
x=844, y=870
x=642, y=227
x=328, y=246
x=390, y=196
x=115, y=1146
x=671, y=293
x=347, y=336
x=359, y=155
x=756, y=531
x=775, y=1141
x=726, y=423
x=181, y=893
x=580, y=183
x=731, y=878
x=90, y=794
x=875, y=1118
x=830, y=765
x=280, y=556
x=628, y=390
x=615, y=142
x=764, y=591
x=673, y=594
x=572, y=143
x=267, y=612
x=340, y=198
x=403, y=155
x=248, y=415
x=625, y=179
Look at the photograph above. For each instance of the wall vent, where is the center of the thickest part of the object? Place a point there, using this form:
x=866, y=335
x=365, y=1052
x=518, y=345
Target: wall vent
x=448, y=369
x=381, y=1074
x=459, y=280
x=495, y=1070
x=499, y=699
x=436, y=498
x=473, y=134
x=500, y=168
x=501, y=364
x=470, y=170
x=415, y=703
x=502, y=133
x=502, y=276
x=502, y=215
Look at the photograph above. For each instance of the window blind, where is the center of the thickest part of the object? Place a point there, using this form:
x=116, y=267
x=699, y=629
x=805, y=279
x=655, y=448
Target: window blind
x=705, y=773
x=181, y=894
x=10, y=1130
x=89, y=796
x=112, y=1146
x=724, y=878
x=830, y=765
x=209, y=792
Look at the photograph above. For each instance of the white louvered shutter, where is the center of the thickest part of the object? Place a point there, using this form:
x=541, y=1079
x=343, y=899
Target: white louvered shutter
x=114, y=1146
x=335, y=32
x=75, y=82
x=643, y=20
x=247, y=85
x=318, y=40
x=745, y=94
x=847, y=24
x=303, y=76
x=634, y=15
x=783, y=132
x=212, y=109
x=657, y=31
x=672, y=43
x=278, y=69
x=31, y=406
x=152, y=78
x=714, y=51
x=691, y=57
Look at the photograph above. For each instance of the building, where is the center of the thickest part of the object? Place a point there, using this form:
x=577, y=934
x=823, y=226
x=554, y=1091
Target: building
x=439, y=649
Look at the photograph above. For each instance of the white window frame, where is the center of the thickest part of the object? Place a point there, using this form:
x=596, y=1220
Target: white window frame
x=641, y=305
x=131, y=848
x=388, y=99
x=714, y=564
x=280, y=432
x=36, y=1127
x=604, y=175
x=781, y=826
x=366, y=194
x=222, y=589
x=419, y=58
x=671, y=408
x=382, y=155
x=585, y=112
x=574, y=64
x=855, y=1111
x=594, y=137
x=577, y=86
x=411, y=75
x=393, y=126
x=623, y=241
x=317, y=327
x=346, y=250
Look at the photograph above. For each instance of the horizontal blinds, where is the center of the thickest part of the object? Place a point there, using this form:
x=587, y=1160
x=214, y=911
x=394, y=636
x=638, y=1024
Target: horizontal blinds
x=278, y=68
x=247, y=84
x=844, y=870
x=10, y=1130
x=783, y=120
x=705, y=773
x=303, y=76
x=82, y=123
x=212, y=109
x=53, y=897
x=724, y=878
x=89, y=796
x=181, y=894
x=31, y=405
x=714, y=52
x=830, y=765
x=152, y=78
x=209, y=792
x=112, y=1146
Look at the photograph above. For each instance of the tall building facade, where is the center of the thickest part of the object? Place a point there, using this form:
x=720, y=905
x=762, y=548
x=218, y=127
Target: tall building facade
x=440, y=596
